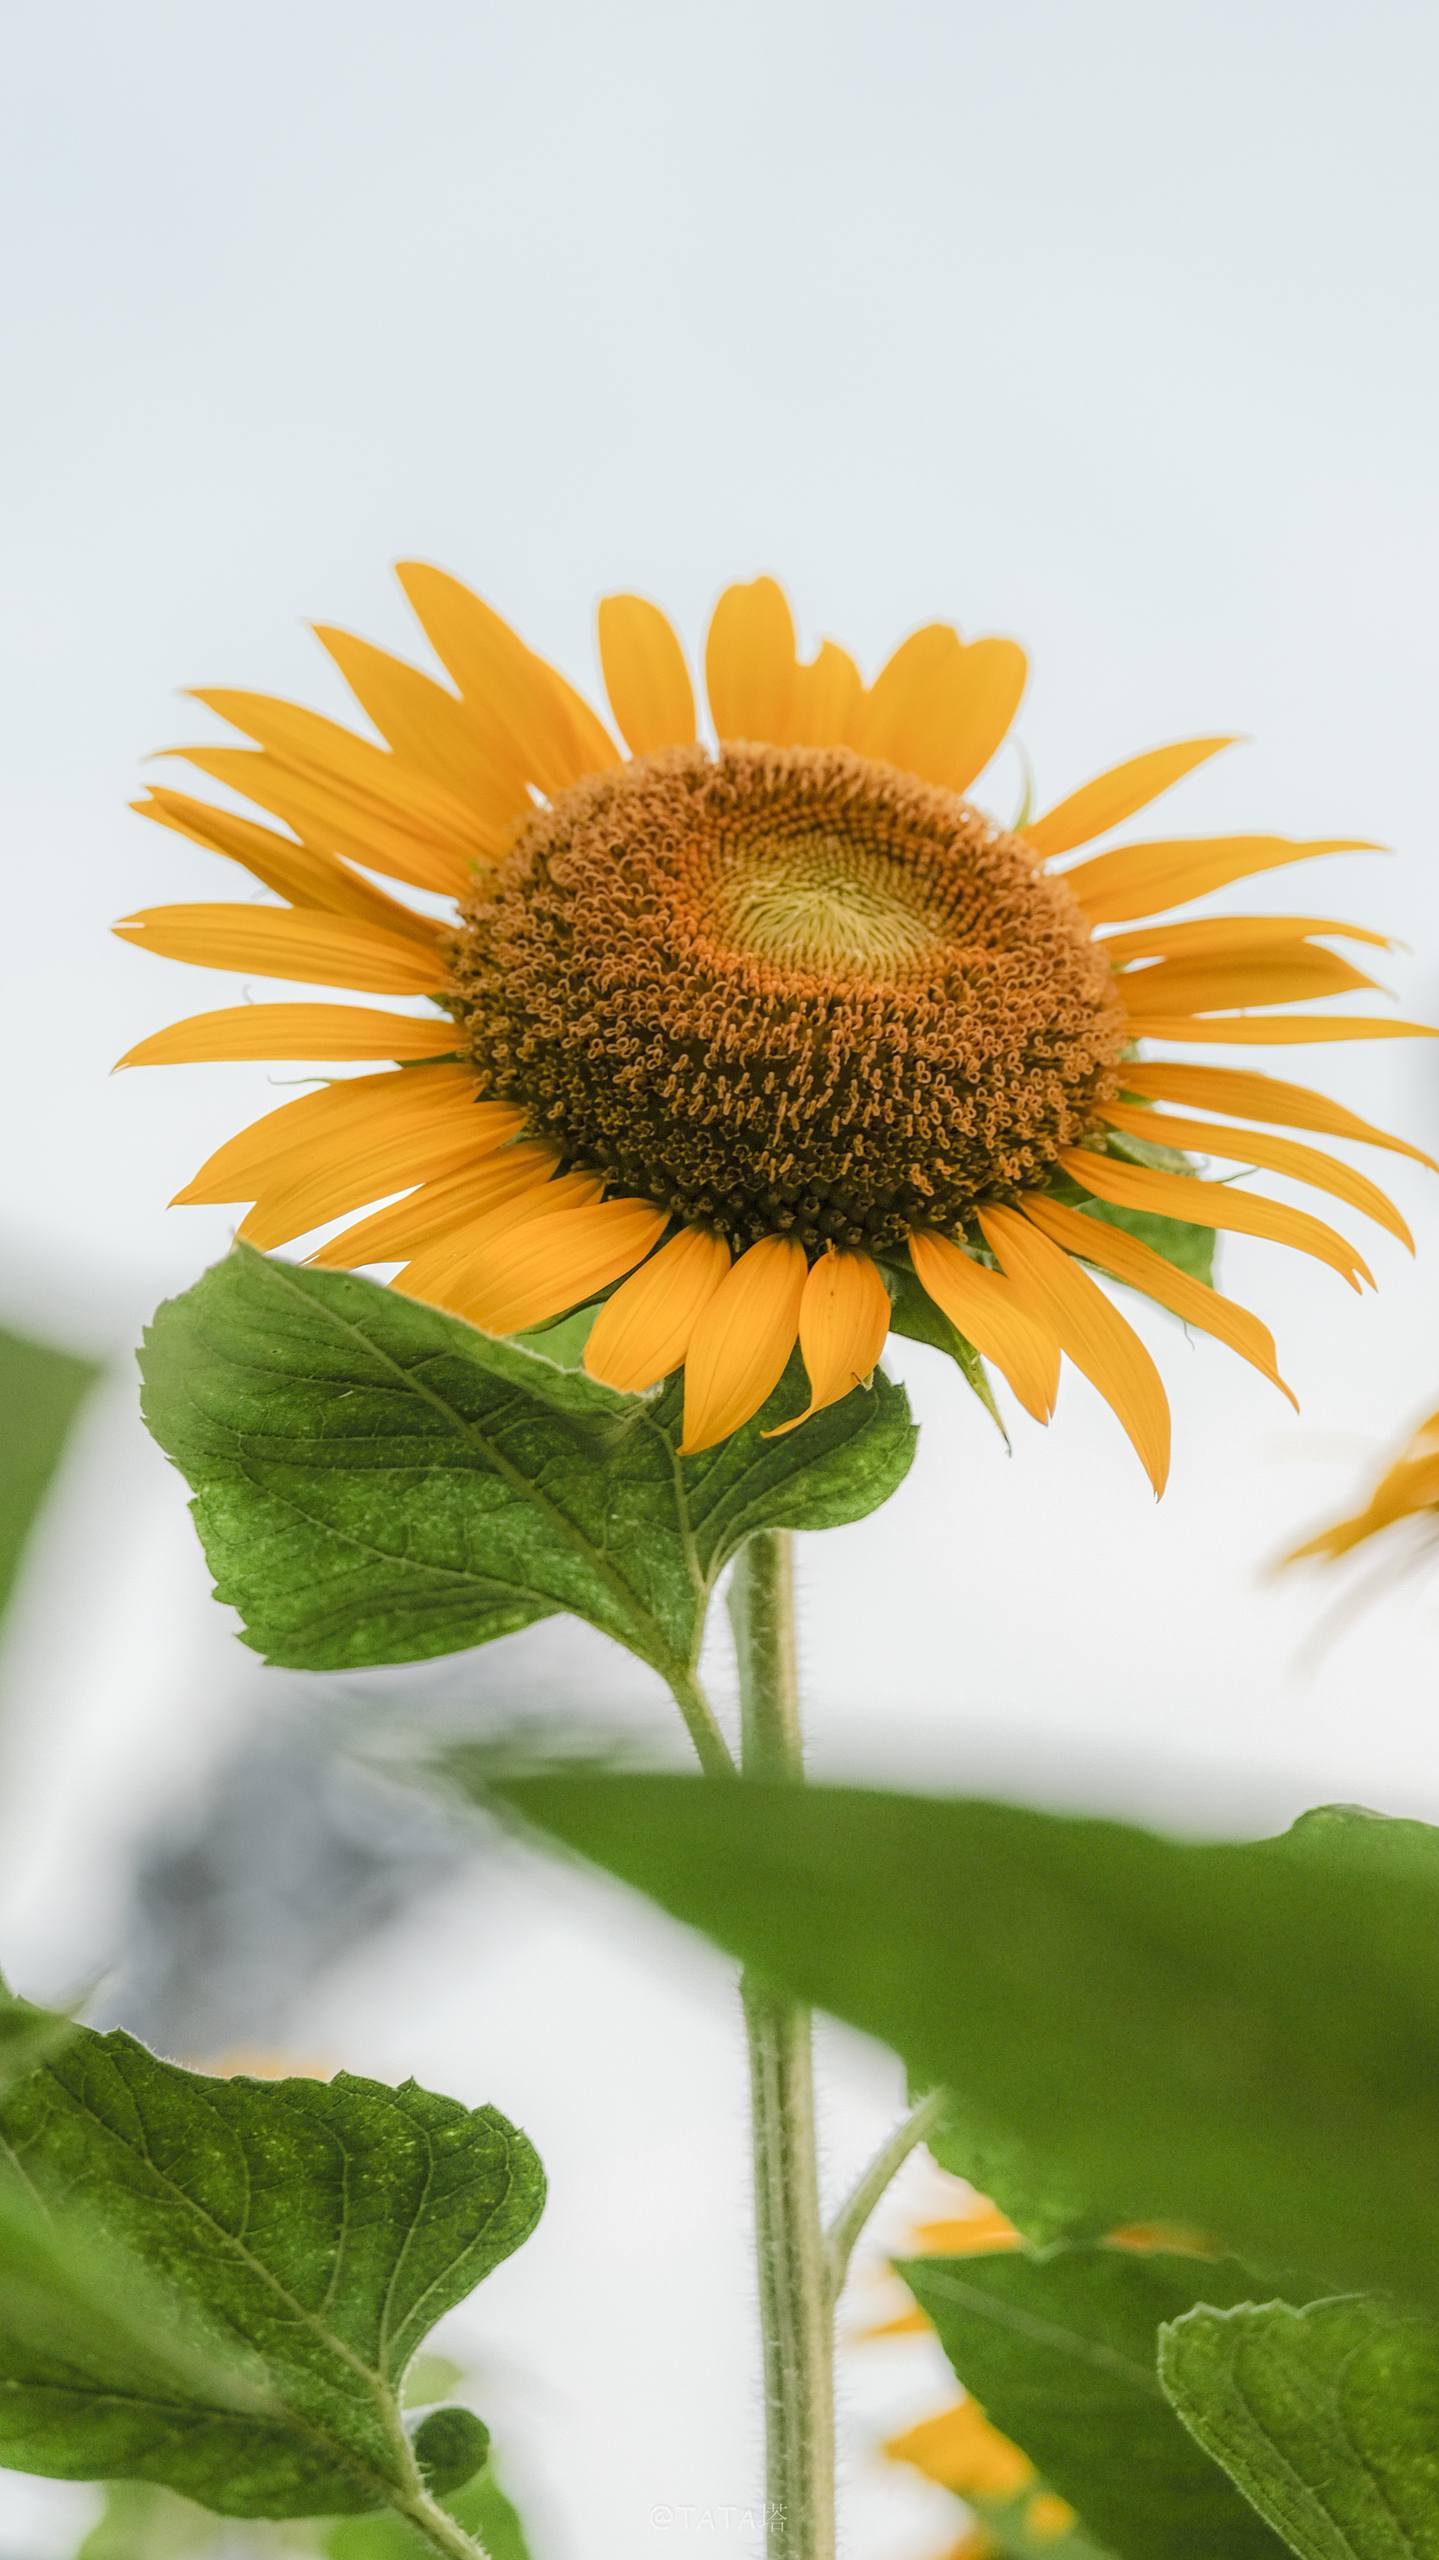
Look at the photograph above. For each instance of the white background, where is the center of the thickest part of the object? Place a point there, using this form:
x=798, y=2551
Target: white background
x=1106, y=324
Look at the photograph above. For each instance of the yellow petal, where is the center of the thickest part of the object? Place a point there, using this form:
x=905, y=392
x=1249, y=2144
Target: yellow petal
x=335, y=756
x=290, y=1139
x=980, y=2233
x=961, y=2451
x=1116, y=794
x=1210, y=937
x=910, y=673
x=1145, y=879
x=645, y=1329
x=294, y=1031
x=1407, y=1489
x=523, y=706
x=436, y=1209
x=360, y=824
x=1275, y=1030
x=1289, y=975
x=843, y=1323
x=289, y=942
x=443, y=1270
x=367, y=1168
x=995, y=673
x=1137, y=1264
x=425, y=725
x=545, y=1265
x=740, y=1346
x=827, y=698
x=990, y=1314
x=750, y=663
x=501, y=682
x=646, y=678
x=1048, y=2518
x=1092, y=1332
x=1246, y=1096
x=1213, y=1204
x=297, y=872
x=942, y=707
x=1272, y=1155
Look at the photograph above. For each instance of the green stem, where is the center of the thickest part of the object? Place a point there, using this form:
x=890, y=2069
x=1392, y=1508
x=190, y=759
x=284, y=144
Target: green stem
x=439, y=2528
x=796, y=2308
x=702, y=1725
x=873, y=2182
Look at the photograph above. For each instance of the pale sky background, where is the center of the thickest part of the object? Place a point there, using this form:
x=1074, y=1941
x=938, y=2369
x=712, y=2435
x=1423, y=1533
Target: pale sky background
x=1110, y=325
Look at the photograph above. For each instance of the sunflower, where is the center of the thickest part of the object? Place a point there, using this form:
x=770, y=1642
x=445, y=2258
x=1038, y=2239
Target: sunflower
x=734, y=1036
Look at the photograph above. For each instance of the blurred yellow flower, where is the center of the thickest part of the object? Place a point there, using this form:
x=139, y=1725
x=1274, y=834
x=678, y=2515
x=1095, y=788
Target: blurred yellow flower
x=1407, y=1492
x=958, y=2449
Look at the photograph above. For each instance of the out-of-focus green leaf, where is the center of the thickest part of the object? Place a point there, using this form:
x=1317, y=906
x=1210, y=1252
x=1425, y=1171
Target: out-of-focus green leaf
x=377, y=1482
x=1026, y=2187
x=1060, y=2350
x=41, y=1392
x=218, y=2285
x=1239, y=2038
x=1327, y=2418
x=140, y=2522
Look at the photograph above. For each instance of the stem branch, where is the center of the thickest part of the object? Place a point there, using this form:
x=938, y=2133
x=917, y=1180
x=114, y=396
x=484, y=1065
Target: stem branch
x=796, y=2310
x=873, y=2182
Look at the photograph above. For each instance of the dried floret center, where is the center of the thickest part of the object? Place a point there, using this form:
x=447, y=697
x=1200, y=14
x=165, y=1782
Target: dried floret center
x=787, y=990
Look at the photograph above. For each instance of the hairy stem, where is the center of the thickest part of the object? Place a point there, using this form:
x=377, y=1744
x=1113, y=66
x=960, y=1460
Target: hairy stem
x=702, y=1725
x=873, y=2182
x=796, y=2310
x=419, y=2506
x=439, y=2528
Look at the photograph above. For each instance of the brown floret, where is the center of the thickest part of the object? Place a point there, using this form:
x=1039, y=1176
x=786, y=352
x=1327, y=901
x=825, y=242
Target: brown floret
x=787, y=990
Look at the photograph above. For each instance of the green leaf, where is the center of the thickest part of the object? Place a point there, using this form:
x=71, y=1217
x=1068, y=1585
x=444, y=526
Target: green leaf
x=1026, y=2186
x=377, y=1482
x=141, y=2522
x=1327, y=2418
x=41, y=1392
x=1242, y=2038
x=267, y=2257
x=1060, y=2351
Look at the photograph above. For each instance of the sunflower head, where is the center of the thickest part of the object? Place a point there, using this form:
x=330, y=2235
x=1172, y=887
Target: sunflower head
x=787, y=991
x=733, y=1031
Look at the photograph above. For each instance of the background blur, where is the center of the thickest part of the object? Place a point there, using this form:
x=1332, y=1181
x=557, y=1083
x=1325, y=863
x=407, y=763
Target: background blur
x=1108, y=325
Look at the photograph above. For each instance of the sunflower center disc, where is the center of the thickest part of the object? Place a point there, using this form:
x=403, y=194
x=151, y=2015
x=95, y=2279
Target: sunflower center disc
x=787, y=990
